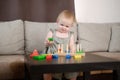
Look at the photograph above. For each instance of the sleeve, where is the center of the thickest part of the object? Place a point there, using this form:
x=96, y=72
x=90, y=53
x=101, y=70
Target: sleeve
x=52, y=30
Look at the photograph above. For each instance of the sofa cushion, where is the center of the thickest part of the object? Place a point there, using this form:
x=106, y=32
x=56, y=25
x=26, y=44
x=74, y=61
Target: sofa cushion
x=12, y=37
x=35, y=33
x=113, y=55
x=115, y=39
x=94, y=36
x=11, y=67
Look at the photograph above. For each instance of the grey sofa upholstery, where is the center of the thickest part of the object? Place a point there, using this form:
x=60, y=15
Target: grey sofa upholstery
x=18, y=38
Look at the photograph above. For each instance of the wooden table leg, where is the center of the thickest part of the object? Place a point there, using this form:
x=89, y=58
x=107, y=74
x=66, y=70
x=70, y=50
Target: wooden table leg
x=116, y=74
x=86, y=75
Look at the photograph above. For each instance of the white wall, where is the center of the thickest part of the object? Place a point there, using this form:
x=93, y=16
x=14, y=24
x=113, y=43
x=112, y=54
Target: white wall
x=100, y=11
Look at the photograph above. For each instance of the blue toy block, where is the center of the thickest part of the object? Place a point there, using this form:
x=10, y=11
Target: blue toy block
x=55, y=56
x=68, y=56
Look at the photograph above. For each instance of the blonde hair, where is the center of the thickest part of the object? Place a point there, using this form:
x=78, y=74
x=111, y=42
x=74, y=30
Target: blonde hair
x=66, y=14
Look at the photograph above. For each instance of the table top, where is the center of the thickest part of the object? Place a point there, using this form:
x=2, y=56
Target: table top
x=89, y=62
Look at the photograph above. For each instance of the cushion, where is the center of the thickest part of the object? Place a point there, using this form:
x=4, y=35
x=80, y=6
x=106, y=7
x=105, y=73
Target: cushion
x=12, y=37
x=11, y=67
x=94, y=36
x=115, y=39
x=35, y=34
x=113, y=55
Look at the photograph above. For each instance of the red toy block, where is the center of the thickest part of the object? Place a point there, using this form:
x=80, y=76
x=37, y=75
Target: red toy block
x=49, y=57
x=35, y=53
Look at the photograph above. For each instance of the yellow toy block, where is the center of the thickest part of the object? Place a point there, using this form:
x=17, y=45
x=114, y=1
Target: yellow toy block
x=77, y=56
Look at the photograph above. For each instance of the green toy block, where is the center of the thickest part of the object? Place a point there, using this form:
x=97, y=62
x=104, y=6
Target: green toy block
x=50, y=39
x=40, y=57
x=80, y=52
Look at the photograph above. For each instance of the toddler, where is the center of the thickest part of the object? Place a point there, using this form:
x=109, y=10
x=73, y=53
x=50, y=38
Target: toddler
x=62, y=35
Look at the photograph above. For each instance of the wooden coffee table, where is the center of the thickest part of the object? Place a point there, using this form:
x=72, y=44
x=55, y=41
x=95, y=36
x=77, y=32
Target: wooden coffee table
x=86, y=64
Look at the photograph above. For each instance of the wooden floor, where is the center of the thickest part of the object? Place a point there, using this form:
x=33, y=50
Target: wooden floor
x=93, y=77
x=97, y=77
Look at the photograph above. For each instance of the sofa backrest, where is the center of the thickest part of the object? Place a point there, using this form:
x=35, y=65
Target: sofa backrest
x=99, y=36
x=12, y=37
x=35, y=33
x=18, y=36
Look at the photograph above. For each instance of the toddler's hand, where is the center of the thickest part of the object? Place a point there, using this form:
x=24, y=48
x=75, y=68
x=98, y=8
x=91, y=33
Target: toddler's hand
x=48, y=43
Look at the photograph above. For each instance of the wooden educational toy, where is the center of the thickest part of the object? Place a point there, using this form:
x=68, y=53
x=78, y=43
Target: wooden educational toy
x=60, y=52
x=79, y=53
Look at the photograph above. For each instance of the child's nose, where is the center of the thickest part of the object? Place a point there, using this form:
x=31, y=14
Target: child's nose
x=64, y=27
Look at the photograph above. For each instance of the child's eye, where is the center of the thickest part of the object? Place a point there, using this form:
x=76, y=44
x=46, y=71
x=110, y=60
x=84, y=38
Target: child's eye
x=67, y=26
x=62, y=24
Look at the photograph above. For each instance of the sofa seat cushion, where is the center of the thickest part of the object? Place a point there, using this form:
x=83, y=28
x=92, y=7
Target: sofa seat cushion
x=94, y=36
x=113, y=55
x=11, y=67
x=12, y=37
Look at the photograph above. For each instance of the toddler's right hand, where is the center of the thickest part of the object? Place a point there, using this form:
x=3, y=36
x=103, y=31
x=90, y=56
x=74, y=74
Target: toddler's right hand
x=48, y=43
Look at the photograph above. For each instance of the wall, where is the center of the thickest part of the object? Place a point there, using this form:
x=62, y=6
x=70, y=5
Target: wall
x=100, y=11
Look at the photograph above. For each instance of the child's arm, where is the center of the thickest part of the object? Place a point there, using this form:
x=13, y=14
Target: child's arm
x=72, y=44
x=49, y=35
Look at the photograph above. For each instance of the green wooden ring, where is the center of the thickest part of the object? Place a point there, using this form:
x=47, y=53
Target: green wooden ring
x=50, y=39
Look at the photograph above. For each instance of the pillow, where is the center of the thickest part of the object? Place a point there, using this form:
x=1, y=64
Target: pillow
x=12, y=37
x=35, y=34
x=115, y=39
x=94, y=36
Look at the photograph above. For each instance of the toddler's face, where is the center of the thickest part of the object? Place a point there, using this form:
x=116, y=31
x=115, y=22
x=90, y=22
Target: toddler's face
x=64, y=25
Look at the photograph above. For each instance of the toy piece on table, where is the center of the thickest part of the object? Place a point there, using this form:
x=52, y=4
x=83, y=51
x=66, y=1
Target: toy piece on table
x=50, y=39
x=60, y=49
x=49, y=57
x=67, y=49
x=40, y=57
x=80, y=50
x=35, y=53
x=68, y=56
x=55, y=56
x=77, y=56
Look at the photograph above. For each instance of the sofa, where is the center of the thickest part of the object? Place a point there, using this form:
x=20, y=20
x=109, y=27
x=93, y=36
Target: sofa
x=19, y=38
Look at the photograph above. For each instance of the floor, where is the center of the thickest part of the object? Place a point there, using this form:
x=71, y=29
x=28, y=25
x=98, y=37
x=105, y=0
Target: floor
x=94, y=77
x=98, y=77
